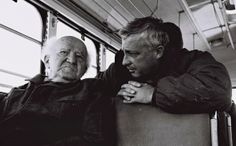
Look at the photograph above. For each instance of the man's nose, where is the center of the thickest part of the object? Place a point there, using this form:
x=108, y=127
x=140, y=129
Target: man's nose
x=125, y=60
x=71, y=58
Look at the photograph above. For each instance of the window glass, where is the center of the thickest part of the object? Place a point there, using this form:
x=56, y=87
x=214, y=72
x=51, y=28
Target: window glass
x=22, y=17
x=19, y=57
x=234, y=95
x=10, y=81
x=4, y=89
x=18, y=54
x=65, y=30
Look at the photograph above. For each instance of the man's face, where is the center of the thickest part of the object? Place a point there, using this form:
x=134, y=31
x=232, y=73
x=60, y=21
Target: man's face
x=140, y=60
x=68, y=60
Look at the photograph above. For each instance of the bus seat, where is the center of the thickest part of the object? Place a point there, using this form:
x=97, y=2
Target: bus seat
x=146, y=125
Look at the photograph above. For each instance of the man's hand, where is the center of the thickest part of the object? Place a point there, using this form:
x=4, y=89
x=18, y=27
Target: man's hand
x=136, y=92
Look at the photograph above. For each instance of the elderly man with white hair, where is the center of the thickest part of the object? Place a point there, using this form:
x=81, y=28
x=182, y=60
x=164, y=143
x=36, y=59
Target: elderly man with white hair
x=58, y=108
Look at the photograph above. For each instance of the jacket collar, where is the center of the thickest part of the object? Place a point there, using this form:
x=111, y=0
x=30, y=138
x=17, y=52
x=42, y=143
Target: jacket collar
x=39, y=78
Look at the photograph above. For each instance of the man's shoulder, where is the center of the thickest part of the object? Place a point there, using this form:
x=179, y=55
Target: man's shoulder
x=193, y=52
x=196, y=59
x=193, y=55
x=39, y=78
x=192, y=59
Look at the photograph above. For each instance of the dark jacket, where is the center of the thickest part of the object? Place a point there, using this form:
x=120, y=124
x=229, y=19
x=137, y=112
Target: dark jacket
x=186, y=82
x=46, y=113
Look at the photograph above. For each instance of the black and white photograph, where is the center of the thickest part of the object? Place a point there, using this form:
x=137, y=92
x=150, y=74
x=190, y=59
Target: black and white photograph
x=118, y=73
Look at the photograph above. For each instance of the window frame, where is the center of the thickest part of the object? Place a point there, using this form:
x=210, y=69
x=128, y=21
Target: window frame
x=20, y=34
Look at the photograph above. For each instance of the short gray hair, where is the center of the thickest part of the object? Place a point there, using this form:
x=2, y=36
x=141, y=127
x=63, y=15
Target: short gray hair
x=149, y=28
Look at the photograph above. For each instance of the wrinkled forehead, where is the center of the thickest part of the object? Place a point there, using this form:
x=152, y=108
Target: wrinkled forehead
x=70, y=44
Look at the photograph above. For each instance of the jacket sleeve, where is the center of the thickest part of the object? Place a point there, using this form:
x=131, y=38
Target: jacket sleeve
x=204, y=88
x=115, y=75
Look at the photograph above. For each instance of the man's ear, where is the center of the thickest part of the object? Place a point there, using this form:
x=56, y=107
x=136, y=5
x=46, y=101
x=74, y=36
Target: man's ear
x=159, y=52
x=46, y=61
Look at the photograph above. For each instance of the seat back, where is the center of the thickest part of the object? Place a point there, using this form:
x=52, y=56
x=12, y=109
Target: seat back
x=146, y=125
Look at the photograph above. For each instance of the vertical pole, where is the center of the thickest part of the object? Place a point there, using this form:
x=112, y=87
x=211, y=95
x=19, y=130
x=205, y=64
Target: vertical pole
x=223, y=12
x=214, y=131
x=229, y=125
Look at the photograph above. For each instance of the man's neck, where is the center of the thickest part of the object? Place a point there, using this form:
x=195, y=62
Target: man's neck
x=59, y=80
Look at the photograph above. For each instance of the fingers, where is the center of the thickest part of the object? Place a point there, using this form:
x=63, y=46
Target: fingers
x=131, y=87
x=124, y=92
x=128, y=88
x=135, y=84
x=128, y=91
x=126, y=96
x=126, y=99
x=130, y=100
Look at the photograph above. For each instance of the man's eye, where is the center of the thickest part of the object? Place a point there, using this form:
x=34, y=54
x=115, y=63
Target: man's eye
x=63, y=52
x=79, y=55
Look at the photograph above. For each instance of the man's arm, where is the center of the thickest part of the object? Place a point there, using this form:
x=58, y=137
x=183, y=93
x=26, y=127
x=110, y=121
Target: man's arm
x=205, y=87
x=115, y=75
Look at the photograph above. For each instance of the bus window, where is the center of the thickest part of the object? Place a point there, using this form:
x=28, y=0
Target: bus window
x=64, y=30
x=21, y=37
x=234, y=94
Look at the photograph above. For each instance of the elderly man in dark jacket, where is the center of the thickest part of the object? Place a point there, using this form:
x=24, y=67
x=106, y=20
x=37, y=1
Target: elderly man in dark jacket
x=155, y=69
x=59, y=108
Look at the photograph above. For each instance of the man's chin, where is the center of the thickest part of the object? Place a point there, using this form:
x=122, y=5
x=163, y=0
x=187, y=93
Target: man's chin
x=139, y=77
x=68, y=76
x=135, y=75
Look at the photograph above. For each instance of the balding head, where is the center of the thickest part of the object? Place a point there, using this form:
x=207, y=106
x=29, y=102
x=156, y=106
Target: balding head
x=65, y=59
